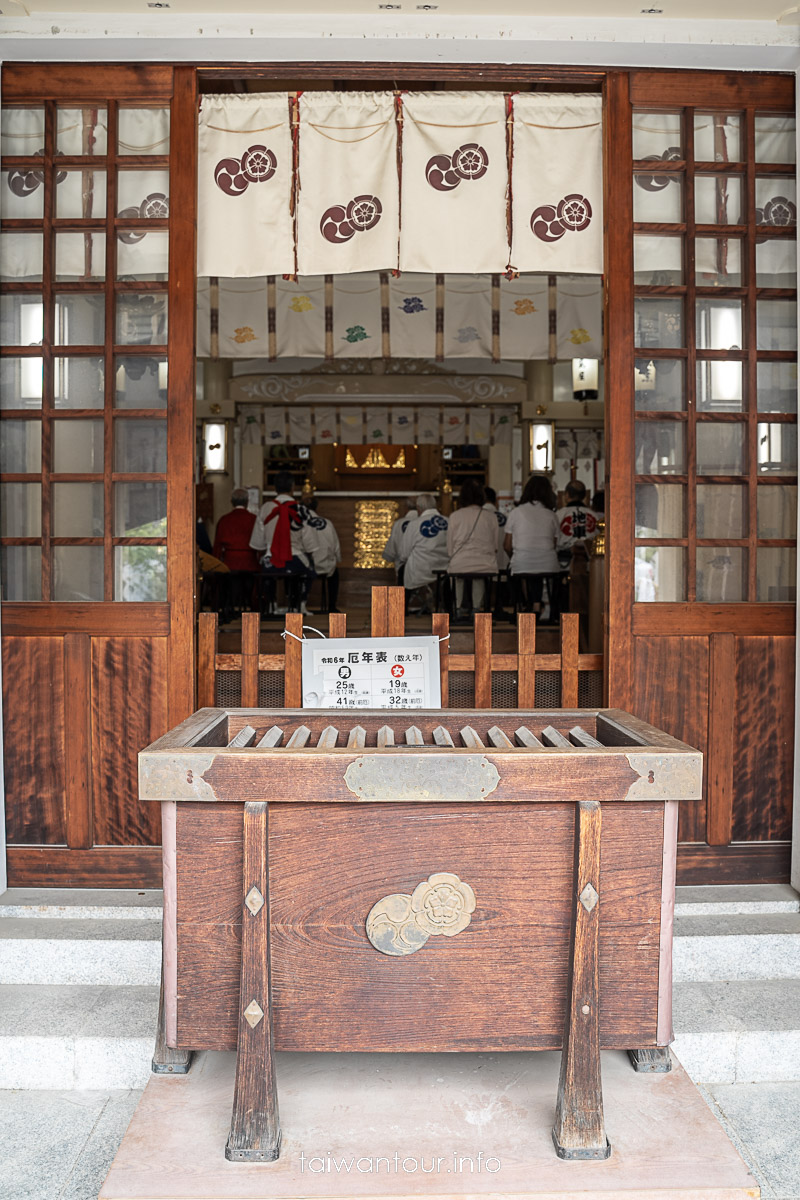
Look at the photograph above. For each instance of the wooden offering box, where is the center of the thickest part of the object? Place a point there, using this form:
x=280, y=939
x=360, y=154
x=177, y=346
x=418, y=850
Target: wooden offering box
x=418, y=881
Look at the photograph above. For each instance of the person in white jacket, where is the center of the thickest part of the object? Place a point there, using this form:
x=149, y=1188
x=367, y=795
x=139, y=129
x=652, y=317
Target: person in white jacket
x=473, y=542
x=322, y=541
x=391, y=551
x=424, y=547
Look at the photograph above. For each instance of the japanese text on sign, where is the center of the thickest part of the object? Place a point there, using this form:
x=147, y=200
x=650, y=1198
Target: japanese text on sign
x=371, y=673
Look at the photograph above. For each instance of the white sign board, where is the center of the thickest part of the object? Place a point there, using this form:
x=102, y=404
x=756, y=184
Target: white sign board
x=371, y=673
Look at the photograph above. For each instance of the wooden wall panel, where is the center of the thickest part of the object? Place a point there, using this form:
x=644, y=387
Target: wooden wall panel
x=33, y=730
x=670, y=690
x=129, y=710
x=764, y=739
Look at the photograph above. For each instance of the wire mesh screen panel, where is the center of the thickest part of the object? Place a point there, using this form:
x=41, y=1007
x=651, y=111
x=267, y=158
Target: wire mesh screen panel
x=228, y=689
x=504, y=689
x=590, y=689
x=270, y=689
x=548, y=689
x=462, y=689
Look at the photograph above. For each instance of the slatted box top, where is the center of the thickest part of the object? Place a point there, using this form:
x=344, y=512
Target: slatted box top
x=328, y=756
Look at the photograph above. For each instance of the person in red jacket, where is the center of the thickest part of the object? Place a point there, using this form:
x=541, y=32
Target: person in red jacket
x=232, y=539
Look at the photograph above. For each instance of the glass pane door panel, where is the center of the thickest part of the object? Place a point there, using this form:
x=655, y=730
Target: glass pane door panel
x=79, y=382
x=775, y=139
x=777, y=511
x=21, y=131
x=21, y=448
x=776, y=325
x=141, y=382
x=80, y=318
x=20, y=509
x=21, y=320
x=718, y=262
x=143, y=130
x=776, y=578
x=21, y=573
x=720, y=449
x=657, y=135
x=660, y=448
x=721, y=574
x=80, y=256
x=719, y=324
x=719, y=386
x=143, y=255
x=659, y=322
x=77, y=573
x=140, y=446
x=21, y=382
x=776, y=263
x=657, y=260
x=777, y=448
x=660, y=510
x=142, y=319
x=140, y=509
x=777, y=387
x=77, y=447
x=721, y=511
x=21, y=256
x=660, y=574
x=23, y=194
x=82, y=131
x=776, y=201
x=718, y=199
x=143, y=194
x=78, y=510
x=716, y=137
x=658, y=198
x=81, y=193
x=658, y=384
x=140, y=573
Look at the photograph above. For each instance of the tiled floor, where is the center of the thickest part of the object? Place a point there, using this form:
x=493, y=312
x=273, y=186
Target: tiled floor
x=59, y=1145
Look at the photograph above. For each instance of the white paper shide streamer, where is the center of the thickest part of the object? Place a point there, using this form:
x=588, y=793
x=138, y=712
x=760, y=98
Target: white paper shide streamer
x=455, y=182
x=557, y=211
x=245, y=186
x=348, y=198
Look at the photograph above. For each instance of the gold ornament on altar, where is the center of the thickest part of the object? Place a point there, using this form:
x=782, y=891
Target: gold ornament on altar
x=375, y=461
x=373, y=524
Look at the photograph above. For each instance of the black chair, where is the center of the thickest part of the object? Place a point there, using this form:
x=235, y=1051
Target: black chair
x=489, y=578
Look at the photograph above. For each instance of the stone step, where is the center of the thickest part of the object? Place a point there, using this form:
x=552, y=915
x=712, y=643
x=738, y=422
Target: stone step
x=82, y=904
x=76, y=1036
x=67, y=950
x=737, y=946
x=729, y=899
x=738, y=1031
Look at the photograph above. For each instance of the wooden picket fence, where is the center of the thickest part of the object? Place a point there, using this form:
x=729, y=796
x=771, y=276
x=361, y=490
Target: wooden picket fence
x=486, y=679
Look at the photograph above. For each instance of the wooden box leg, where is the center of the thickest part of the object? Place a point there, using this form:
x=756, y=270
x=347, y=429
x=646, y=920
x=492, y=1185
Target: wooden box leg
x=651, y=1058
x=579, y=1130
x=255, y=1125
x=167, y=1061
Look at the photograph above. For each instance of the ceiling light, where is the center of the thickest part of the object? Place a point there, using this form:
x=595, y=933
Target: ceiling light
x=651, y=10
x=389, y=7
x=427, y=7
x=151, y=4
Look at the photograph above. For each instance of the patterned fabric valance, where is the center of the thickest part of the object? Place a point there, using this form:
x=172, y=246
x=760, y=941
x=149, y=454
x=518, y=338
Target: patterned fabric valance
x=426, y=182
x=398, y=424
x=379, y=315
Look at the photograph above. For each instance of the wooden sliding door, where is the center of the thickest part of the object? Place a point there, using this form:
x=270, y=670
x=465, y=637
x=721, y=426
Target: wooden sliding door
x=97, y=436
x=702, y=390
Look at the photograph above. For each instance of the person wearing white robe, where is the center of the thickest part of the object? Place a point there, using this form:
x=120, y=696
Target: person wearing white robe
x=322, y=542
x=424, y=545
x=391, y=551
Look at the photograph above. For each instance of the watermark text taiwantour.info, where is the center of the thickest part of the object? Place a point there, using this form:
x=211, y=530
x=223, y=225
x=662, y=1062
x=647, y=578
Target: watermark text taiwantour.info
x=400, y=1164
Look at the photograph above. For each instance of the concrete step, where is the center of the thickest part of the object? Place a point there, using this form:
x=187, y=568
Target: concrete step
x=66, y=950
x=729, y=899
x=82, y=904
x=738, y=1031
x=737, y=946
x=76, y=1036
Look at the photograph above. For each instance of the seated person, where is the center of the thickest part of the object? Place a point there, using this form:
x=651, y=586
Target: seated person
x=280, y=537
x=473, y=541
x=232, y=539
x=322, y=542
x=391, y=551
x=424, y=548
x=577, y=526
x=530, y=538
